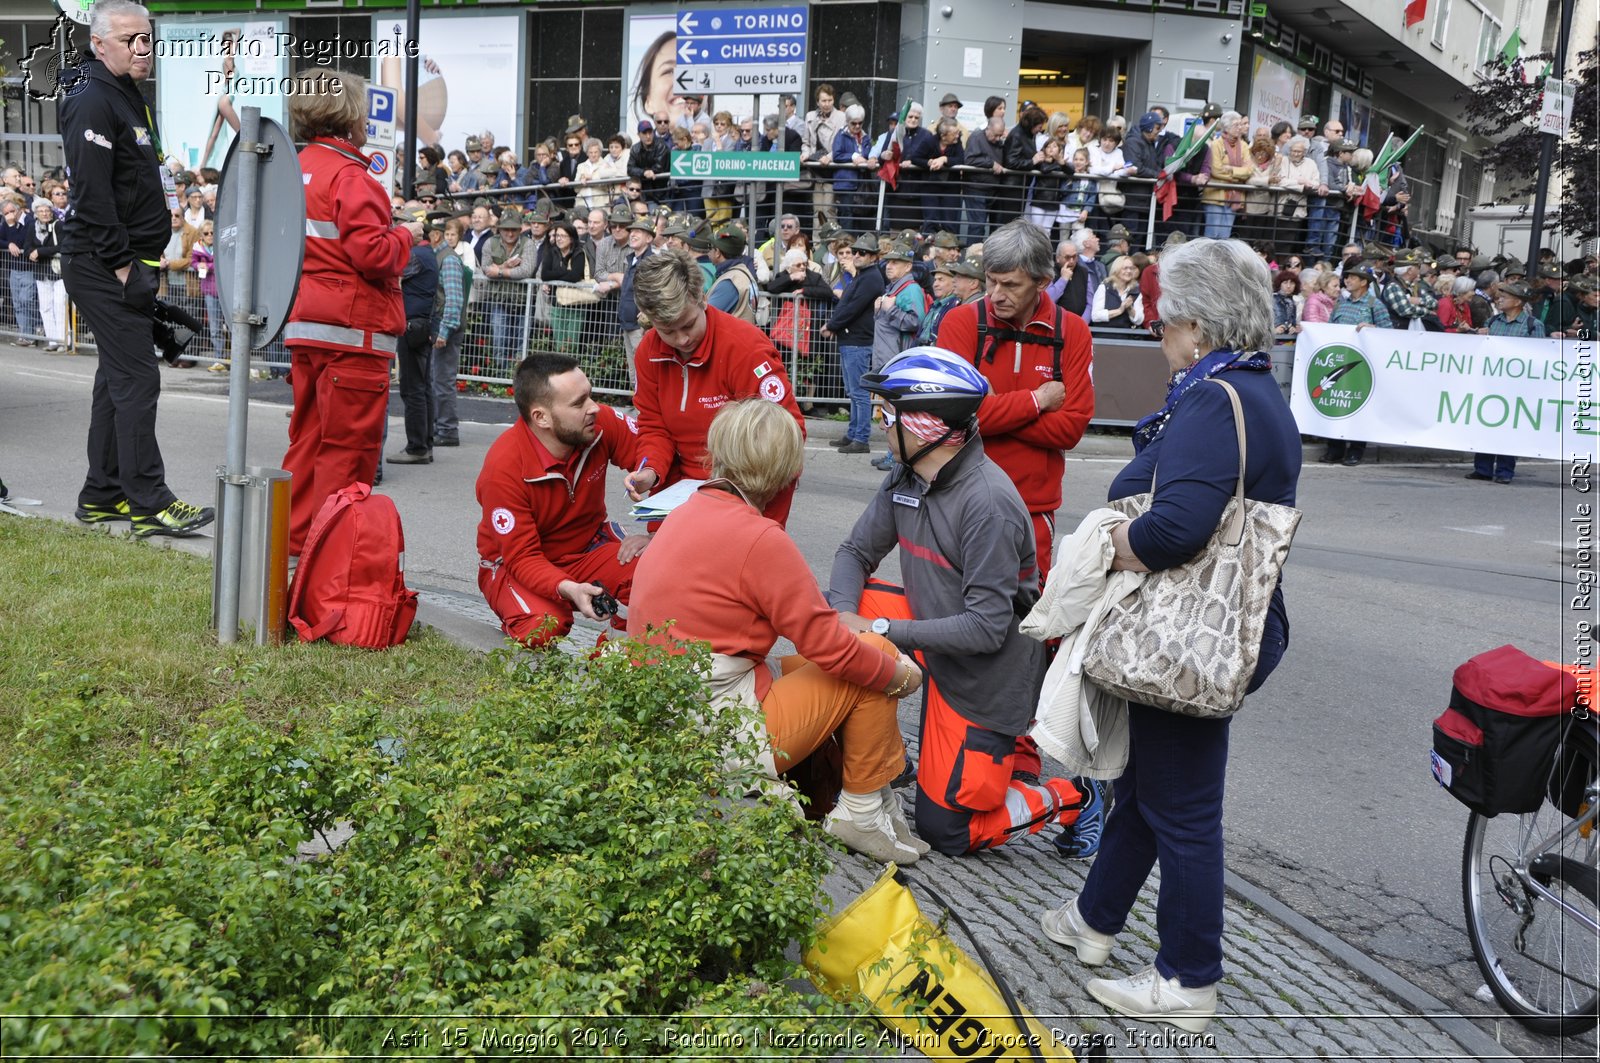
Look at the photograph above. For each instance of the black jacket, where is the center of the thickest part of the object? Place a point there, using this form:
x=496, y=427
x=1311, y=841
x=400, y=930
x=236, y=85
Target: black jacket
x=852, y=319
x=654, y=157
x=118, y=209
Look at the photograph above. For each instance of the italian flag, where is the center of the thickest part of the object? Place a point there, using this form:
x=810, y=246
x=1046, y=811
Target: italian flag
x=1377, y=180
x=1194, y=138
x=889, y=161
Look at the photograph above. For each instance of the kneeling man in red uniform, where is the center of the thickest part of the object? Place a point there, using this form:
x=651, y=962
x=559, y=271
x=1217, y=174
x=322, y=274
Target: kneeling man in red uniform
x=545, y=545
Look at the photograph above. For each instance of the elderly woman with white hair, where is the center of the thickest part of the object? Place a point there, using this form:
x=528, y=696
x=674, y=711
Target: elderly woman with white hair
x=1298, y=177
x=1216, y=313
x=808, y=300
x=851, y=149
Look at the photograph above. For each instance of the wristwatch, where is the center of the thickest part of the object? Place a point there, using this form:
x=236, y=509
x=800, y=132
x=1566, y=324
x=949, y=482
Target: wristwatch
x=880, y=626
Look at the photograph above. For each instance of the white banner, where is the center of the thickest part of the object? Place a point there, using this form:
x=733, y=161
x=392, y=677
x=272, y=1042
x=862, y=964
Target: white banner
x=1447, y=391
x=1276, y=93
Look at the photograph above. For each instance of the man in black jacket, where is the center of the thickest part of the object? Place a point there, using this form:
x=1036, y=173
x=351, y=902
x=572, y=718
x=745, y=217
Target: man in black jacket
x=117, y=223
x=852, y=322
x=649, y=160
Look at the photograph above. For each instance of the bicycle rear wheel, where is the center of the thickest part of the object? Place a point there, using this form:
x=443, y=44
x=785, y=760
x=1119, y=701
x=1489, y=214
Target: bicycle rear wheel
x=1541, y=962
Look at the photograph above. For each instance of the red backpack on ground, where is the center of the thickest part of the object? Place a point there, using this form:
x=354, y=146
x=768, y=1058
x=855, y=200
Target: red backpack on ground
x=350, y=587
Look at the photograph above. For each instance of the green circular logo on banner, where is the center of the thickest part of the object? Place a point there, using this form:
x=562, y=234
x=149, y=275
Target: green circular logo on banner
x=1339, y=380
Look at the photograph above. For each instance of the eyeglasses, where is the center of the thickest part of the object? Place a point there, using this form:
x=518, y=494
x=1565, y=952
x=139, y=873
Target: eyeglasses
x=137, y=43
x=1158, y=329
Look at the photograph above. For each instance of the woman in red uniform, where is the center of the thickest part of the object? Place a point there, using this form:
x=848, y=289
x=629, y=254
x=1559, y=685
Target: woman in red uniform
x=693, y=361
x=342, y=330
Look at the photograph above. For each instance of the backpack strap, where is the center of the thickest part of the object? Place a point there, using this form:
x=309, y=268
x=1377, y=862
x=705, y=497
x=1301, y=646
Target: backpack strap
x=1010, y=335
x=341, y=500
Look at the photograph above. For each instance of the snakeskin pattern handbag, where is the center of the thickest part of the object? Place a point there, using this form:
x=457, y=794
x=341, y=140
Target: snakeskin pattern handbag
x=1189, y=638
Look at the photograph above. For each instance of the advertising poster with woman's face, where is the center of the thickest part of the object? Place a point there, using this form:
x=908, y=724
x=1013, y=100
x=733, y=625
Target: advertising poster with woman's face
x=652, y=54
x=203, y=61
x=467, y=72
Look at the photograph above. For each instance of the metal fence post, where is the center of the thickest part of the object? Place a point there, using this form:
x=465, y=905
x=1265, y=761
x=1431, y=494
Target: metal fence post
x=529, y=302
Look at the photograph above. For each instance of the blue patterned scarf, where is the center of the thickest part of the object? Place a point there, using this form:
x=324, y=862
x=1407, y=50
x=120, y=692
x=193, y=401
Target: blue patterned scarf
x=1149, y=429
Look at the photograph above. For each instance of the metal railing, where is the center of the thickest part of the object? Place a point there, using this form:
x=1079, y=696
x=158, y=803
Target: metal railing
x=506, y=320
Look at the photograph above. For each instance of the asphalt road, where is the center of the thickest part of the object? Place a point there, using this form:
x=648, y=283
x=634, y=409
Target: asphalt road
x=1401, y=570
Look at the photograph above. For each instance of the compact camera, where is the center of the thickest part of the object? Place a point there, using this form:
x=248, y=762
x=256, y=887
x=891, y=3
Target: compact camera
x=603, y=604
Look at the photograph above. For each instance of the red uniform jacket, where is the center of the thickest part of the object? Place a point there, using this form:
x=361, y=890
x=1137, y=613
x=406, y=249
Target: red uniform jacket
x=676, y=398
x=1028, y=444
x=350, y=282
x=538, y=511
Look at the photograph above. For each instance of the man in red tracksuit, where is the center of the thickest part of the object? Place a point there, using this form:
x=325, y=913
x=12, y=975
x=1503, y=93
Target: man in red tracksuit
x=347, y=317
x=1037, y=361
x=545, y=545
x=1036, y=358
x=693, y=361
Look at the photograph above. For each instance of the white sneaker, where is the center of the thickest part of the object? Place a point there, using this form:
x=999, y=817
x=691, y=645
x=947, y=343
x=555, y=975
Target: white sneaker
x=1065, y=926
x=1149, y=996
x=876, y=840
x=902, y=830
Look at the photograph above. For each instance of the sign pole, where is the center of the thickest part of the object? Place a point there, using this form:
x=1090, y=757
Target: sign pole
x=239, y=344
x=408, y=165
x=1547, y=145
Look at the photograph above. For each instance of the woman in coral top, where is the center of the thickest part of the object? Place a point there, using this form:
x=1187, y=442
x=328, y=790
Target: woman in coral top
x=755, y=588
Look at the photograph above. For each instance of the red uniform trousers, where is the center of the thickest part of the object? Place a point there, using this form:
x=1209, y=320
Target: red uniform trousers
x=537, y=621
x=967, y=796
x=341, y=398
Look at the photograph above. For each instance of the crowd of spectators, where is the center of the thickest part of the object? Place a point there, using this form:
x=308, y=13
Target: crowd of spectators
x=921, y=199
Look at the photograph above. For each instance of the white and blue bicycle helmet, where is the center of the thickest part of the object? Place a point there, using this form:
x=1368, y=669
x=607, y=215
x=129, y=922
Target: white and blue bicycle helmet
x=931, y=380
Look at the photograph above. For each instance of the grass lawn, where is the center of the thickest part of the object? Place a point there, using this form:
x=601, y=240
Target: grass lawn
x=132, y=620
x=557, y=840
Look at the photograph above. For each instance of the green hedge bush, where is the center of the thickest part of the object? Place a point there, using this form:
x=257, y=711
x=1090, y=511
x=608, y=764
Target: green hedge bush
x=570, y=844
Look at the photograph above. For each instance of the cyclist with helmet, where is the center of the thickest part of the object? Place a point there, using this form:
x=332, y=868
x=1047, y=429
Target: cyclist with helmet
x=967, y=557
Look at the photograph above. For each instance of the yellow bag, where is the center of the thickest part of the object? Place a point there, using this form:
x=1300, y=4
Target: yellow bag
x=941, y=1002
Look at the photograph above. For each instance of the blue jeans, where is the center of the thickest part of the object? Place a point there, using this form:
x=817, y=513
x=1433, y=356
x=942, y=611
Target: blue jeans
x=1492, y=465
x=214, y=326
x=25, y=302
x=506, y=331
x=1168, y=809
x=853, y=363
x=1219, y=221
x=1322, y=225
x=977, y=226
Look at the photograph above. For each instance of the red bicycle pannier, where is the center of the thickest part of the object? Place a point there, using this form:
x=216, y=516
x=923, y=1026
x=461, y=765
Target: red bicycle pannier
x=1493, y=748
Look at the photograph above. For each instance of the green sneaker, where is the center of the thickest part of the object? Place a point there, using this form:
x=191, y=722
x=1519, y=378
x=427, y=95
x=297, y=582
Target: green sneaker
x=95, y=513
x=180, y=518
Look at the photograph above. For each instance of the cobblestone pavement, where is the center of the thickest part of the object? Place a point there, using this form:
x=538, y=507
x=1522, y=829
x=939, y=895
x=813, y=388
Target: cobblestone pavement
x=1283, y=997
